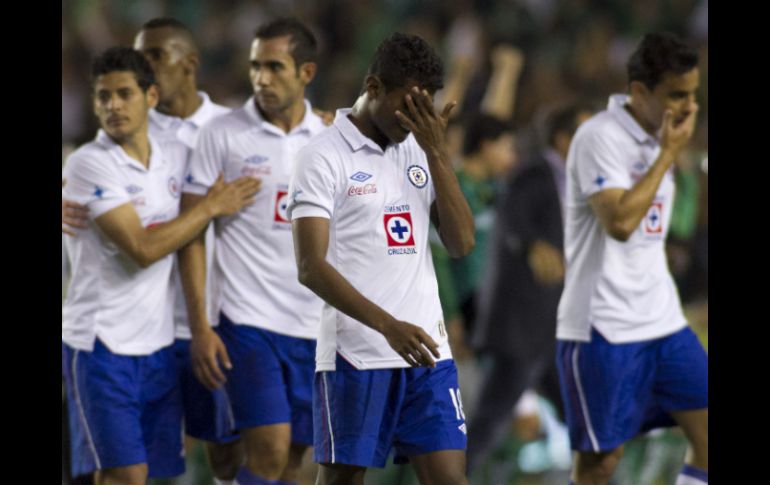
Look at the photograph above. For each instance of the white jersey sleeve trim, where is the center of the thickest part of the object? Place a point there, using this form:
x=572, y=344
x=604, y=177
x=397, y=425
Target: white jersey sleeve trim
x=307, y=209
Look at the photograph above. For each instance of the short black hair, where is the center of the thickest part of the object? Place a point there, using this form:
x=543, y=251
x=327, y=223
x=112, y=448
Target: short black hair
x=304, y=47
x=657, y=54
x=480, y=127
x=563, y=119
x=403, y=57
x=172, y=23
x=123, y=59
x=160, y=22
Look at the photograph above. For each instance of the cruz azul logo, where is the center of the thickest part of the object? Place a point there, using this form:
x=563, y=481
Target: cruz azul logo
x=398, y=230
x=637, y=171
x=653, y=221
x=281, y=202
x=173, y=187
x=417, y=175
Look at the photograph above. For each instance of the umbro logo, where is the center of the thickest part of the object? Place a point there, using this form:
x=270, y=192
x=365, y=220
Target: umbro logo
x=256, y=159
x=360, y=176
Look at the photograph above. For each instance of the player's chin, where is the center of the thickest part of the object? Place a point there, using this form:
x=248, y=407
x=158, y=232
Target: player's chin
x=115, y=132
x=399, y=134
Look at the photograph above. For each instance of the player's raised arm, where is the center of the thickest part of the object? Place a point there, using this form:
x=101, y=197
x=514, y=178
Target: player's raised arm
x=620, y=211
x=450, y=211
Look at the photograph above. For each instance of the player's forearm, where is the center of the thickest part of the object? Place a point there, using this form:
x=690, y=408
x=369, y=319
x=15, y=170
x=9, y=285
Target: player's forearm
x=163, y=239
x=326, y=282
x=457, y=84
x=635, y=202
x=192, y=268
x=500, y=95
x=456, y=226
x=501, y=91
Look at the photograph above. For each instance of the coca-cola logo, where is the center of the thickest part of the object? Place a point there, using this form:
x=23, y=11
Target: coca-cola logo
x=362, y=189
x=256, y=172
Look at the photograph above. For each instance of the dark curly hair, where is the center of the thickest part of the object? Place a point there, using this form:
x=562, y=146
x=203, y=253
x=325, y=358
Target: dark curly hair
x=657, y=54
x=402, y=57
x=123, y=59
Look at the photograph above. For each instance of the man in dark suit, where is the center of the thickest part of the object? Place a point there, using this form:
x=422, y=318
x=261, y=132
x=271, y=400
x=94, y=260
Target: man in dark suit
x=517, y=301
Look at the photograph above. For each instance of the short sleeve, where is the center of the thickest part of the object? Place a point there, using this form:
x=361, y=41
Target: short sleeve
x=312, y=185
x=419, y=156
x=95, y=182
x=206, y=162
x=599, y=163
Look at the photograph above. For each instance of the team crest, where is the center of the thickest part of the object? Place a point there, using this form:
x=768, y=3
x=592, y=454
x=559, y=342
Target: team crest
x=173, y=187
x=398, y=228
x=281, y=203
x=653, y=221
x=417, y=175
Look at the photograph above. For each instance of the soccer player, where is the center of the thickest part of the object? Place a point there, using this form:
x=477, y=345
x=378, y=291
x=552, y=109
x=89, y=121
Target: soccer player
x=117, y=323
x=182, y=109
x=265, y=340
x=627, y=360
x=363, y=195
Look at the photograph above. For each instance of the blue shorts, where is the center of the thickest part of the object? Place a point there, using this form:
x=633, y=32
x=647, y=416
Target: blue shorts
x=613, y=392
x=271, y=380
x=359, y=415
x=123, y=410
x=206, y=413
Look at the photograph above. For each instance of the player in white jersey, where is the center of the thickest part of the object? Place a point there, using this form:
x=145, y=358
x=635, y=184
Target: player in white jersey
x=266, y=335
x=171, y=50
x=627, y=360
x=363, y=195
x=117, y=325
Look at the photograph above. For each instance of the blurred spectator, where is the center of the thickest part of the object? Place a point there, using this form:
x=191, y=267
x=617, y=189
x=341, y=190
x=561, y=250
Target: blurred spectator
x=522, y=284
x=488, y=153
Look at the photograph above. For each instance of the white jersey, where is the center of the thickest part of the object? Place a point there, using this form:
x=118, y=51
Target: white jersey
x=254, y=254
x=127, y=307
x=623, y=289
x=378, y=204
x=186, y=130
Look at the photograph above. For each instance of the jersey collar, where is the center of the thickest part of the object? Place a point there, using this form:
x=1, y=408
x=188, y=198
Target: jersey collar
x=311, y=123
x=616, y=106
x=120, y=157
x=199, y=118
x=351, y=133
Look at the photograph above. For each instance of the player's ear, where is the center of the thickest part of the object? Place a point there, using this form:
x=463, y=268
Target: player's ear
x=153, y=96
x=191, y=62
x=637, y=89
x=374, y=86
x=306, y=71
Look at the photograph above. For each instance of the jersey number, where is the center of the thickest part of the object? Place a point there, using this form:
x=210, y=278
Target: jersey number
x=455, y=393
